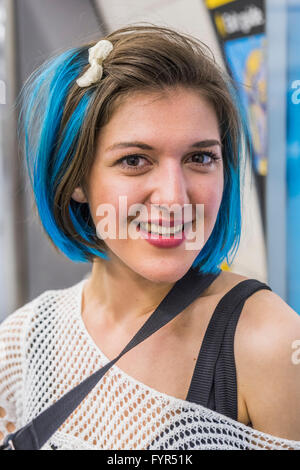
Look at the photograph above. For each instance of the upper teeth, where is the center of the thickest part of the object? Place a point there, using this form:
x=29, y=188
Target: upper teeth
x=160, y=229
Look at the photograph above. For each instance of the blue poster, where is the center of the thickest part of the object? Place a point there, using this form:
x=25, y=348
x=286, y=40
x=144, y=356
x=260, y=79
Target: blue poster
x=293, y=157
x=246, y=59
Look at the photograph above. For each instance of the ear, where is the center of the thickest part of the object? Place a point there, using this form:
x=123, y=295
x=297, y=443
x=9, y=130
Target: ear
x=78, y=195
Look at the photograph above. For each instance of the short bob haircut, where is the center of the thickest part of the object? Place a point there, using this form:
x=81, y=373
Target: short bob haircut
x=59, y=123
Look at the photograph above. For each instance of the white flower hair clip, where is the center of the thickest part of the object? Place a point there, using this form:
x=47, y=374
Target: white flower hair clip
x=97, y=54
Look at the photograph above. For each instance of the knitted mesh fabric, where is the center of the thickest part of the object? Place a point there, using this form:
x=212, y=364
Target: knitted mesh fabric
x=45, y=351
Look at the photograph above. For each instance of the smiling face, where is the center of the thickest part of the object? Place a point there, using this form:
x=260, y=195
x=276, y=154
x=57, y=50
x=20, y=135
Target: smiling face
x=171, y=165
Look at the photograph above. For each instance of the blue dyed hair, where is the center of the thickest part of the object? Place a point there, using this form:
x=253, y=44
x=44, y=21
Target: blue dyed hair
x=59, y=123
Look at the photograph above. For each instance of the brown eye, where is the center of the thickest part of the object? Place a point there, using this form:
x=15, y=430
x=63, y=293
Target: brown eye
x=130, y=162
x=200, y=156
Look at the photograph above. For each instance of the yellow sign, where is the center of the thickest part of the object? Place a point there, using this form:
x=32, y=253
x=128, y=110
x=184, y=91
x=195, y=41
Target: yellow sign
x=217, y=3
x=224, y=266
x=220, y=25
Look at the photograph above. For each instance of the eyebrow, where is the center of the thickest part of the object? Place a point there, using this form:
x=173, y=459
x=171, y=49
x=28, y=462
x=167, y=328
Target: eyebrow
x=200, y=144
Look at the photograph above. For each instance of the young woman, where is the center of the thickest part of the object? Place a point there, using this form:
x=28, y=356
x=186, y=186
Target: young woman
x=146, y=116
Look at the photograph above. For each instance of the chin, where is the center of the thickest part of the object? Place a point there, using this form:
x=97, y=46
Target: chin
x=160, y=269
x=162, y=272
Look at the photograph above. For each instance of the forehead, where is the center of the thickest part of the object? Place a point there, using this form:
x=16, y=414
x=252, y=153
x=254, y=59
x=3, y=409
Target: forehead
x=154, y=115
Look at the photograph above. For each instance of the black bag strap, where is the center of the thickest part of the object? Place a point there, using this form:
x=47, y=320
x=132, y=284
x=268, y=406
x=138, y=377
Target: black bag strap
x=230, y=305
x=225, y=380
x=36, y=433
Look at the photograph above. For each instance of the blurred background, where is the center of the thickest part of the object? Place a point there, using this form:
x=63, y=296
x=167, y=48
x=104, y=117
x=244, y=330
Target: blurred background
x=256, y=41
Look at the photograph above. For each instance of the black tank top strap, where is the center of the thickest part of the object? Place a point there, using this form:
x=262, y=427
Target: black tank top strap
x=214, y=384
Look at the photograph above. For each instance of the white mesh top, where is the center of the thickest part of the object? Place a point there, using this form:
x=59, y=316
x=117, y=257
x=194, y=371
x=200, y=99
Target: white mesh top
x=45, y=351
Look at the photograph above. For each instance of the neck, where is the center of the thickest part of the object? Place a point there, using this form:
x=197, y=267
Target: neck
x=121, y=295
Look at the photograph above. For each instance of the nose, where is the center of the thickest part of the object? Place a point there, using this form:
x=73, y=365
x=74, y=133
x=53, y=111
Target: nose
x=170, y=185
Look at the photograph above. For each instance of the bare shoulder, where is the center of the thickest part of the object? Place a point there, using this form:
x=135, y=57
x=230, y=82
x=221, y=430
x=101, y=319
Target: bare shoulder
x=267, y=324
x=267, y=335
x=266, y=312
x=268, y=327
x=263, y=307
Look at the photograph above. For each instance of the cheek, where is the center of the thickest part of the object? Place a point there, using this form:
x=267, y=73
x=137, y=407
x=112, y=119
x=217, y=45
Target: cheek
x=210, y=194
x=214, y=198
x=119, y=194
